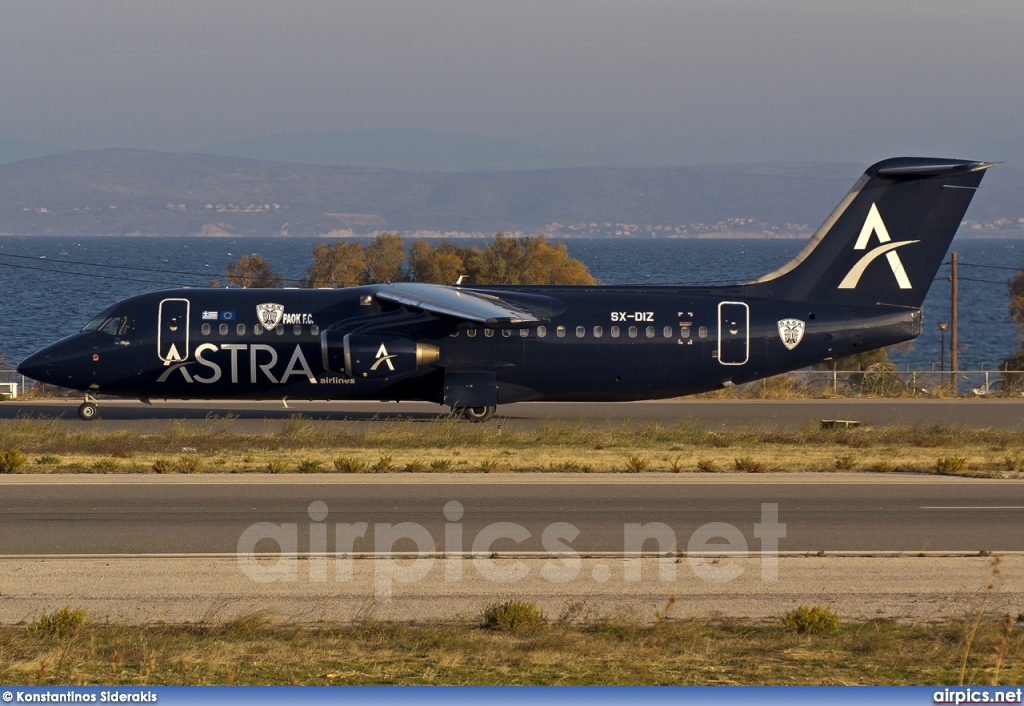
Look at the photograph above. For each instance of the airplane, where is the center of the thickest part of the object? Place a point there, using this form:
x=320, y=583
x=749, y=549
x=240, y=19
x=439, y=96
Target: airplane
x=858, y=284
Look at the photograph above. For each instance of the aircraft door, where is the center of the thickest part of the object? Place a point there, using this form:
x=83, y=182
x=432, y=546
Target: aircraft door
x=172, y=330
x=733, y=333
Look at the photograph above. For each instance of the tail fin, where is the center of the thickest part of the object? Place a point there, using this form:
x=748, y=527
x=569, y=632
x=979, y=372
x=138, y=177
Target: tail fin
x=884, y=242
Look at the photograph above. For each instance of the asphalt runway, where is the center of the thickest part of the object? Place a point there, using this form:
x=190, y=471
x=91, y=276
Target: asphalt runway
x=255, y=417
x=163, y=516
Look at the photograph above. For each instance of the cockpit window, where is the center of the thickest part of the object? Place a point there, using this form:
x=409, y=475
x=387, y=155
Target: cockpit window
x=95, y=323
x=114, y=325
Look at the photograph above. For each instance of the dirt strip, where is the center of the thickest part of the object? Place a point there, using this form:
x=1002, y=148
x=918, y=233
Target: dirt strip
x=179, y=589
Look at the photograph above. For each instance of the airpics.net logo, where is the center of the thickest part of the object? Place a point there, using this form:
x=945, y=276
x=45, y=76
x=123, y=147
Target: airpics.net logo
x=969, y=696
x=874, y=224
x=407, y=552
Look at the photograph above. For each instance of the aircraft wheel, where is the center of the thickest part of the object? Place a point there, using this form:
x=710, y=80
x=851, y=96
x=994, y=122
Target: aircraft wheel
x=88, y=411
x=477, y=414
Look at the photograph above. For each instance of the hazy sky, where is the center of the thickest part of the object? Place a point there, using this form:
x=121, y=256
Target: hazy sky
x=646, y=80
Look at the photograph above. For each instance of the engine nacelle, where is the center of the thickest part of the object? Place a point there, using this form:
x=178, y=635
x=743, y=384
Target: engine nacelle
x=375, y=356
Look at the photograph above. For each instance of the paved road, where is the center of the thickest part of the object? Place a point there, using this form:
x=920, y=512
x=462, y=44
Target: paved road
x=164, y=516
x=254, y=417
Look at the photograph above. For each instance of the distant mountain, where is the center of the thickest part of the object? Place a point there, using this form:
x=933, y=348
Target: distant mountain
x=394, y=148
x=136, y=192
x=12, y=150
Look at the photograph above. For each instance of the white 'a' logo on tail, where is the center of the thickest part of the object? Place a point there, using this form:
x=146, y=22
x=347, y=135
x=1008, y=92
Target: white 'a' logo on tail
x=874, y=224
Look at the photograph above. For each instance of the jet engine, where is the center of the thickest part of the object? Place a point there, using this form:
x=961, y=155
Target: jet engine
x=374, y=356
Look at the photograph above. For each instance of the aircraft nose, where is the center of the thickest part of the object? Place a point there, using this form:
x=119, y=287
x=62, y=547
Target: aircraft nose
x=50, y=365
x=40, y=366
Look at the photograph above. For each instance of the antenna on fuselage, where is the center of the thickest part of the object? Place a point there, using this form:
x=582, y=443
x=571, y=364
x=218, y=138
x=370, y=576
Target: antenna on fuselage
x=458, y=282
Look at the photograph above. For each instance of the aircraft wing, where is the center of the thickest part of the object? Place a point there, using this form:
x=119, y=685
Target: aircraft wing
x=476, y=306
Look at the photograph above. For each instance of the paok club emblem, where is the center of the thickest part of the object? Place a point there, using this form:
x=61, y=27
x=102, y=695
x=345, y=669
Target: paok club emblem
x=792, y=332
x=270, y=315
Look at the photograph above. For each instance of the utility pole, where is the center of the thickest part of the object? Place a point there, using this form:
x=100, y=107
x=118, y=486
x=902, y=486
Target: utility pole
x=952, y=324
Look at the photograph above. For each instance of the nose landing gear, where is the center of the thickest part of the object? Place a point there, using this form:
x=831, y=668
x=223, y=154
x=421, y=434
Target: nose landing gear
x=88, y=410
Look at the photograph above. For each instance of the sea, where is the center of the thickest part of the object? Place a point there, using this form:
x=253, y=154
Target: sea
x=50, y=286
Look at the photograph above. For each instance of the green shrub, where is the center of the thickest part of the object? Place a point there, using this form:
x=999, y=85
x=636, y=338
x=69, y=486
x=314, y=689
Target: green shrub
x=415, y=466
x=276, y=466
x=950, y=465
x=811, y=620
x=570, y=467
x=349, y=464
x=513, y=615
x=746, y=464
x=47, y=460
x=488, y=466
x=107, y=465
x=188, y=464
x=845, y=462
x=441, y=464
x=637, y=464
x=385, y=464
x=163, y=465
x=883, y=467
x=60, y=623
x=12, y=460
x=308, y=465
x=707, y=465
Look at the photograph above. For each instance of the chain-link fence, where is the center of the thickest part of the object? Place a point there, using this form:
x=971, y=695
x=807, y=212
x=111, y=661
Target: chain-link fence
x=886, y=380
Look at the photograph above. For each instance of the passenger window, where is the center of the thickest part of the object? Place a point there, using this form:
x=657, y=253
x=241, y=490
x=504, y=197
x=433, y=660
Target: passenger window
x=506, y=332
x=667, y=332
x=542, y=331
x=560, y=331
x=258, y=330
x=615, y=331
x=471, y=332
x=632, y=332
x=702, y=332
x=206, y=329
x=488, y=332
x=240, y=329
x=314, y=330
x=454, y=334
x=581, y=331
x=223, y=329
x=598, y=332
x=684, y=331
x=524, y=332
x=297, y=330
x=650, y=332
x=279, y=330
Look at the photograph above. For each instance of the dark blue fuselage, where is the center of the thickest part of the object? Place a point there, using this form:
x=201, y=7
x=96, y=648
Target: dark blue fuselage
x=609, y=343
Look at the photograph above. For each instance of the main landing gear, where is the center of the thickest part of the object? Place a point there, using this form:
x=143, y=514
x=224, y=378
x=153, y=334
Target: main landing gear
x=475, y=414
x=88, y=409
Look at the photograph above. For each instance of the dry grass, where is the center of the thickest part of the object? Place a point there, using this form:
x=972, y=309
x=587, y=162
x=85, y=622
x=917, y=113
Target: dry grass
x=454, y=446
x=257, y=650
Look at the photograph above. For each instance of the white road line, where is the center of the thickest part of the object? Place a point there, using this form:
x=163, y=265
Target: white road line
x=972, y=507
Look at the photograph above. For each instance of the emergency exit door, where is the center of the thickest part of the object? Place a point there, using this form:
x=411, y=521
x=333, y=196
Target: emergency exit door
x=172, y=330
x=733, y=333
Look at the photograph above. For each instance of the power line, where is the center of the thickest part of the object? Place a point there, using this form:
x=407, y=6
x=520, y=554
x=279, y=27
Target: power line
x=100, y=264
x=991, y=267
x=92, y=276
x=987, y=281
